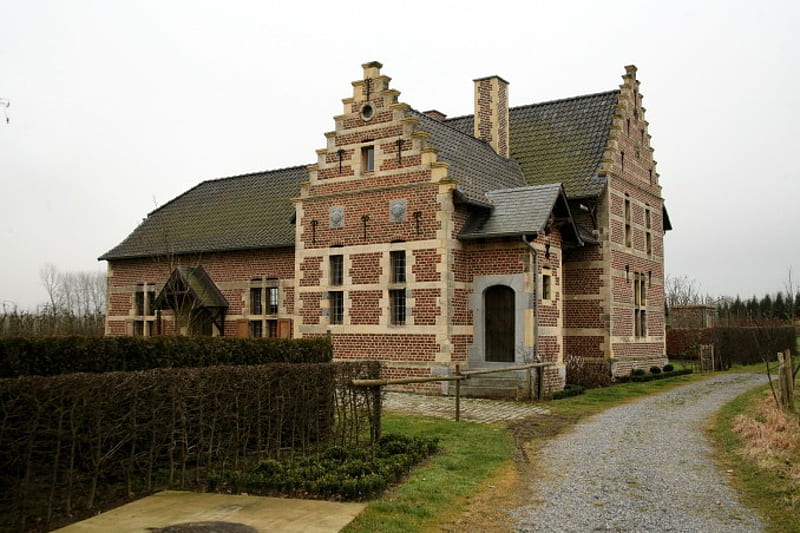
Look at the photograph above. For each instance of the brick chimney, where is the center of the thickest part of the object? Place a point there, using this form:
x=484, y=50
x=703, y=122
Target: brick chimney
x=491, y=113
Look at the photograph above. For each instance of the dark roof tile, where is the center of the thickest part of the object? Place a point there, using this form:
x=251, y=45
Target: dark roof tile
x=560, y=141
x=237, y=213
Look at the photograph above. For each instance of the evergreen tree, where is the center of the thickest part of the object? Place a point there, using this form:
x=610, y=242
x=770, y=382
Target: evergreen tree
x=765, y=306
x=779, y=308
x=752, y=308
x=797, y=305
x=737, y=309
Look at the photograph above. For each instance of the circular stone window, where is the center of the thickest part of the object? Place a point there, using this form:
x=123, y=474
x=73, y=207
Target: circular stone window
x=367, y=112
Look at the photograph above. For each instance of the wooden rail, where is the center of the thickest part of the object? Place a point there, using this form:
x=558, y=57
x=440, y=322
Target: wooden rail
x=458, y=377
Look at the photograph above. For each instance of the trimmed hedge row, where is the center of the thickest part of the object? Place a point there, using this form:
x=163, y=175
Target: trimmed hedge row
x=746, y=346
x=732, y=345
x=638, y=378
x=48, y=356
x=72, y=444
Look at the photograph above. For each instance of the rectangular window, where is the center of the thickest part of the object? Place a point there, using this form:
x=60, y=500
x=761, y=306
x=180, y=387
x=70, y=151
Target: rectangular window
x=546, y=287
x=272, y=329
x=336, y=305
x=272, y=300
x=151, y=302
x=367, y=159
x=397, y=302
x=337, y=269
x=144, y=308
x=256, y=329
x=139, y=300
x=628, y=222
x=256, y=301
x=648, y=224
x=398, y=266
x=640, y=305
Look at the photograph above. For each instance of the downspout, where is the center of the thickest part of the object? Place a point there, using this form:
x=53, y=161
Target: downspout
x=535, y=272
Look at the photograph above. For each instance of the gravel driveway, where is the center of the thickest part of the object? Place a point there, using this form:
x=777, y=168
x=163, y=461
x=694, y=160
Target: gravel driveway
x=644, y=466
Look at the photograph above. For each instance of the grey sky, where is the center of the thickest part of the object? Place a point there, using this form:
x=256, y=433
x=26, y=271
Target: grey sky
x=119, y=106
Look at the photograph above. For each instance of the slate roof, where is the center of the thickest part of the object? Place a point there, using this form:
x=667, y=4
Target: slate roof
x=560, y=141
x=518, y=211
x=238, y=213
x=472, y=162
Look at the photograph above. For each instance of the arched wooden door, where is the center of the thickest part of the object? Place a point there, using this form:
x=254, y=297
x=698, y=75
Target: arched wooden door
x=499, y=324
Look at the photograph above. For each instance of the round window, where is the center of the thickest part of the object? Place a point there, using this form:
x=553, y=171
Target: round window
x=367, y=112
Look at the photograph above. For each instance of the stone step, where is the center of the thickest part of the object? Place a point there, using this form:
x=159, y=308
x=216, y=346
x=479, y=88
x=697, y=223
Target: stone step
x=506, y=386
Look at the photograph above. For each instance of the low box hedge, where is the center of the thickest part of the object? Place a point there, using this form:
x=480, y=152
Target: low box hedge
x=638, y=378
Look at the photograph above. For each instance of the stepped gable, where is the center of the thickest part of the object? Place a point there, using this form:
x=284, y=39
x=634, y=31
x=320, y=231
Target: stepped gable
x=244, y=212
x=561, y=141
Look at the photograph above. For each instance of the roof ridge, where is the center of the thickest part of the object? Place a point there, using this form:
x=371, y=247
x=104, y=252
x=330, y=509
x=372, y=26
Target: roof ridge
x=557, y=100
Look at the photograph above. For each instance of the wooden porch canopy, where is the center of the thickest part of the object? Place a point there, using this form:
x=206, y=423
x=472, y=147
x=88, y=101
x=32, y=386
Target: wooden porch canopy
x=191, y=289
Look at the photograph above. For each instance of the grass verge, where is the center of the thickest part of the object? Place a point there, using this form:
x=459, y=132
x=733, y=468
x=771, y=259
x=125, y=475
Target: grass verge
x=765, y=487
x=437, y=491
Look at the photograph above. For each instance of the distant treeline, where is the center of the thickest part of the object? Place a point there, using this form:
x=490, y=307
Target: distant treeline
x=780, y=307
x=76, y=305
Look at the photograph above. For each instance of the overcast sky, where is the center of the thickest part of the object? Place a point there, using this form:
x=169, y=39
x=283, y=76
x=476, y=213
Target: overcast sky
x=117, y=107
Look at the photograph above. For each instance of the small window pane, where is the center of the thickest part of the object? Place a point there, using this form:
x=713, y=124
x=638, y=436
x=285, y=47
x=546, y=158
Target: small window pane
x=139, y=302
x=272, y=300
x=398, y=266
x=337, y=269
x=397, y=301
x=256, y=330
x=368, y=159
x=256, y=307
x=336, y=301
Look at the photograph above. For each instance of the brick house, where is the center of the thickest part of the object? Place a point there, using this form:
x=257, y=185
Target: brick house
x=424, y=241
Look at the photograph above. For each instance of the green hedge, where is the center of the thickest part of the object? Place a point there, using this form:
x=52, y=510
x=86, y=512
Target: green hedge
x=48, y=356
x=747, y=345
x=638, y=378
x=76, y=443
x=338, y=473
x=732, y=345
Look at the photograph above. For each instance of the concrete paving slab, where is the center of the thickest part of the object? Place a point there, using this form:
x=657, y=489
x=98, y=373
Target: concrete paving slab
x=263, y=514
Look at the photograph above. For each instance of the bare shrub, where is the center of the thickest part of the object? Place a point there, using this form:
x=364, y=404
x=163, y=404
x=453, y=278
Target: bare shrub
x=770, y=438
x=588, y=374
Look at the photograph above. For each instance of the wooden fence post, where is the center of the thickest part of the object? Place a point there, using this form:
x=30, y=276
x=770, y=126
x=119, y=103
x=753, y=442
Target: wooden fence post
x=458, y=393
x=785, y=380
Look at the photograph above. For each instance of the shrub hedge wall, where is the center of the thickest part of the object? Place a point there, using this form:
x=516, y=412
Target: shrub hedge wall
x=746, y=346
x=47, y=356
x=732, y=345
x=70, y=443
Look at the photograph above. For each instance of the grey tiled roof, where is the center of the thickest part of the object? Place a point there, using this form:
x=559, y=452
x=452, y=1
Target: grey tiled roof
x=518, y=211
x=473, y=163
x=238, y=213
x=560, y=141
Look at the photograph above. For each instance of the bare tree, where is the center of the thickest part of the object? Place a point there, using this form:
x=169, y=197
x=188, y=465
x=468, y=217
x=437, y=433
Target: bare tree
x=682, y=290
